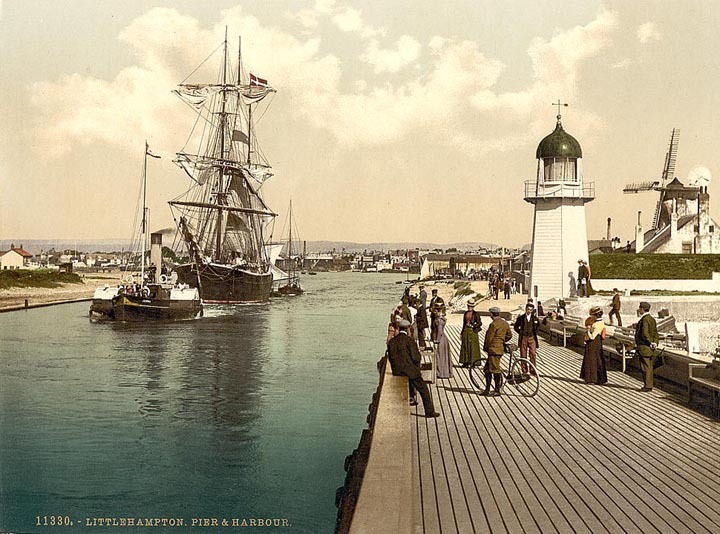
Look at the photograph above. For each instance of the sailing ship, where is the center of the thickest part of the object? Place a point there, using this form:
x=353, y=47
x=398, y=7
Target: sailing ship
x=153, y=295
x=222, y=217
x=292, y=282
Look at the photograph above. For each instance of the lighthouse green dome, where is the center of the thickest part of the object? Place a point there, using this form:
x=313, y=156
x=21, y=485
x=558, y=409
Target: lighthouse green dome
x=559, y=144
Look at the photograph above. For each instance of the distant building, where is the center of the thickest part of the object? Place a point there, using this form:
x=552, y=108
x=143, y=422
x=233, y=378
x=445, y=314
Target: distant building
x=450, y=264
x=682, y=223
x=15, y=258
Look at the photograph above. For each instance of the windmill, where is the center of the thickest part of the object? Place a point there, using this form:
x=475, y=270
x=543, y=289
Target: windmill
x=668, y=173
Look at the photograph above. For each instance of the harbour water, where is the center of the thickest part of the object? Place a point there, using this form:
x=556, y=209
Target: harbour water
x=247, y=413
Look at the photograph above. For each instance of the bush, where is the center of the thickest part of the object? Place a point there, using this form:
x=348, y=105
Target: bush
x=36, y=278
x=655, y=266
x=460, y=283
x=463, y=291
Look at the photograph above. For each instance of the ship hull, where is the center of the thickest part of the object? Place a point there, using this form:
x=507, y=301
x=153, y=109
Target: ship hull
x=221, y=284
x=135, y=308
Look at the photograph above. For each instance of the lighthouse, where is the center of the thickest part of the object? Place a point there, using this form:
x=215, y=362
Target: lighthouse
x=559, y=194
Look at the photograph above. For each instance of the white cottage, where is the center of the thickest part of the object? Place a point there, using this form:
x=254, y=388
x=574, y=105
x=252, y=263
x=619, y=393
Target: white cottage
x=15, y=258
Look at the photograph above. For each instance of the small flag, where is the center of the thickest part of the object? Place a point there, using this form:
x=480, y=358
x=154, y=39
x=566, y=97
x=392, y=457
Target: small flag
x=237, y=135
x=258, y=82
x=149, y=152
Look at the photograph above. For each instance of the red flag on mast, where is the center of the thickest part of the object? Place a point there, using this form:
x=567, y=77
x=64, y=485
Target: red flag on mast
x=258, y=82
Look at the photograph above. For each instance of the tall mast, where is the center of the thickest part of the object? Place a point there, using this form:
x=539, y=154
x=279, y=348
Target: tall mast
x=292, y=265
x=221, y=185
x=144, y=219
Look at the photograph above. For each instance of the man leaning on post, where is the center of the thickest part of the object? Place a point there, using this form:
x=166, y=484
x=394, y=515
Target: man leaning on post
x=404, y=358
x=646, y=340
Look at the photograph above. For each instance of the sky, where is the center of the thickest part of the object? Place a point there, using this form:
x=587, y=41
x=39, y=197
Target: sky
x=393, y=121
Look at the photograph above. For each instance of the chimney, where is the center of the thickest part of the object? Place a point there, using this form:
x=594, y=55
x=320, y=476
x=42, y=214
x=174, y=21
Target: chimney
x=156, y=254
x=639, y=237
x=607, y=236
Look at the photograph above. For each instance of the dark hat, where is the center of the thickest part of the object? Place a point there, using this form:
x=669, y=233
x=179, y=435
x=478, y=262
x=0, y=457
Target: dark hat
x=434, y=290
x=644, y=305
x=529, y=305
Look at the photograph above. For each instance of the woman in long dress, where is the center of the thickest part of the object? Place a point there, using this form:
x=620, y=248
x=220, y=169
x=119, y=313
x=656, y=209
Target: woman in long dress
x=469, y=341
x=594, y=365
x=443, y=362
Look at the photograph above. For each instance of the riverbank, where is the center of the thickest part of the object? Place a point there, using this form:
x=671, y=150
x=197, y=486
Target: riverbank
x=14, y=298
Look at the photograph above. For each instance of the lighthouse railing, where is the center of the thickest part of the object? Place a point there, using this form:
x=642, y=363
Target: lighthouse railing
x=533, y=190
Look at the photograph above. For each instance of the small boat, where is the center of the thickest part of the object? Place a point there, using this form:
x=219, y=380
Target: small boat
x=292, y=285
x=154, y=295
x=312, y=273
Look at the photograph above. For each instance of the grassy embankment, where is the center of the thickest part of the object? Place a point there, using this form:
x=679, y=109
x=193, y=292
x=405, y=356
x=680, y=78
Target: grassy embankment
x=36, y=278
x=656, y=267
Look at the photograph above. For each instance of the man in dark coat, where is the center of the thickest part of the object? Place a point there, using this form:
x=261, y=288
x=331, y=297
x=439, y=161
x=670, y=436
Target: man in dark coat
x=615, y=308
x=436, y=303
x=582, y=279
x=405, y=360
x=526, y=326
x=646, y=340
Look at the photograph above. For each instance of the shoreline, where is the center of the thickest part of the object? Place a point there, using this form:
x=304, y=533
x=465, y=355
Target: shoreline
x=14, y=299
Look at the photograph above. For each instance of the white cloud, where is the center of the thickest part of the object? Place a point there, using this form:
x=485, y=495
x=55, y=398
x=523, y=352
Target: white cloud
x=648, y=32
x=350, y=20
x=392, y=60
x=451, y=94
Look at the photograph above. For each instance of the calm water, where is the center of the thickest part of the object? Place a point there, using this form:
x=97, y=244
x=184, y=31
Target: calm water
x=246, y=413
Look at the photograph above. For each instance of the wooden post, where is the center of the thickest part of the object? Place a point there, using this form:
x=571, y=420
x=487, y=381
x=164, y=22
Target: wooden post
x=26, y=304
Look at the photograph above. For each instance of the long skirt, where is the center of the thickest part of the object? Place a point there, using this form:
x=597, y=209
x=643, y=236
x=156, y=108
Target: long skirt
x=594, y=364
x=443, y=362
x=469, y=346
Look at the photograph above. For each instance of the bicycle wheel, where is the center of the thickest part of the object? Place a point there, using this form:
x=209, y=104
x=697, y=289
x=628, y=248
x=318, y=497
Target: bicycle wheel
x=477, y=373
x=523, y=382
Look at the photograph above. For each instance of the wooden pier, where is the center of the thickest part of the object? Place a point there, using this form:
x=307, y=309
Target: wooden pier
x=574, y=458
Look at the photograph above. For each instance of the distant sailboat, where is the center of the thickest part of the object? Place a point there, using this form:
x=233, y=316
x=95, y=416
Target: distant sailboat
x=292, y=285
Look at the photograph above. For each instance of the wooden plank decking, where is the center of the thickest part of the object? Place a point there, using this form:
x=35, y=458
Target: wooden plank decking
x=574, y=458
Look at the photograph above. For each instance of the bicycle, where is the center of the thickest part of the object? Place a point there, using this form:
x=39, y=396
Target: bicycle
x=520, y=373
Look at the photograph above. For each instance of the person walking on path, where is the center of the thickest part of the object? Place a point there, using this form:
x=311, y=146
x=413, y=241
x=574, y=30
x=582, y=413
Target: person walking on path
x=443, y=362
x=404, y=359
x=469, y=341
x=582, y=279
x=646, y=340
x=594, y=364
x=615, y=308
x=498, y=333
x=435, y=303
x=421, y=323
x=506, y=289
x=526, y=326
x=423, y=296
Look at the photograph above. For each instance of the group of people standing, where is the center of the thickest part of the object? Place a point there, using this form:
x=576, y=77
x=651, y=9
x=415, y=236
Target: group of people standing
x=594, y=364
x=408, y=322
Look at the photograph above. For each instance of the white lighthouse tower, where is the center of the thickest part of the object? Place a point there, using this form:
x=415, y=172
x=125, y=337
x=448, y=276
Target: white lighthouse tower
x=559, y=232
